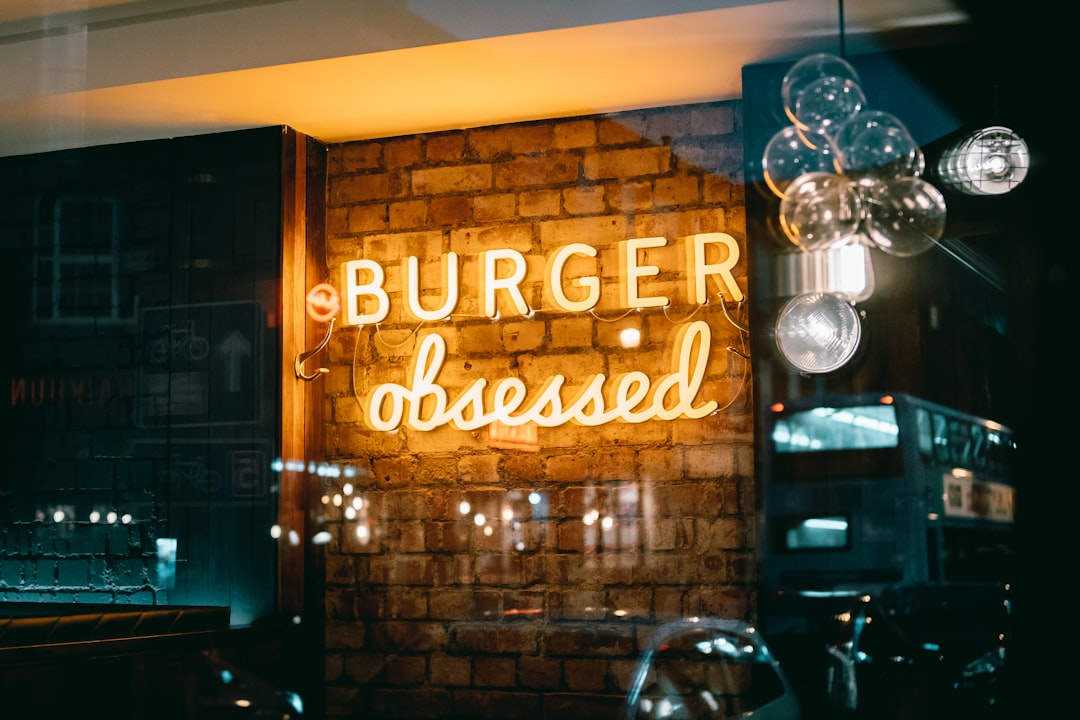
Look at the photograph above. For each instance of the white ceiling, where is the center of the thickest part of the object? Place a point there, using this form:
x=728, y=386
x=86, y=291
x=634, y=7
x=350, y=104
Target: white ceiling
x=90, y=72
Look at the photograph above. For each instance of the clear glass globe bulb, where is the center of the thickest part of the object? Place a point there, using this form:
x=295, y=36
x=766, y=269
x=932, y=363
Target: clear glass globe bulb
x=876, y=144
x=826, y=103
x=792, y=152
x=903, y=216
x=820, y=210
x=820, y=88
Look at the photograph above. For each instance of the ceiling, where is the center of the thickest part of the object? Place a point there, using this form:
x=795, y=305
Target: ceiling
x=92, y=72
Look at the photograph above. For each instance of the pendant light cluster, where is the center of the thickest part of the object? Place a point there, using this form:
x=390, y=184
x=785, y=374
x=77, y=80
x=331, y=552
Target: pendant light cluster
x=846, y=175
x=850, y=179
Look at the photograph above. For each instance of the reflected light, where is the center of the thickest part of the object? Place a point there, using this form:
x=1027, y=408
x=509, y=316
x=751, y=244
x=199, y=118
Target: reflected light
x=464, y=507
x=275, y=531
x=479, y=519
x=321, y=538
x=825, y=524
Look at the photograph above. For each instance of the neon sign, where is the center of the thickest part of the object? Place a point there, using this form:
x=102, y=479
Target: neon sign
x=421, y=403
x=630, y=397
x=492, y=279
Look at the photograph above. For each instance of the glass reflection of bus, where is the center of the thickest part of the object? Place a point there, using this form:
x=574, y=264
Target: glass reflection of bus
x=870, y=489
x=874, y=505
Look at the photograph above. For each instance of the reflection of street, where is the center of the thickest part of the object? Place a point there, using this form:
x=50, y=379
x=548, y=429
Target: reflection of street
x=924, y=651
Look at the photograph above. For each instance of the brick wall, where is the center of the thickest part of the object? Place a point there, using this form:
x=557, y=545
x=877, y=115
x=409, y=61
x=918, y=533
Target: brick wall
x=539, y=608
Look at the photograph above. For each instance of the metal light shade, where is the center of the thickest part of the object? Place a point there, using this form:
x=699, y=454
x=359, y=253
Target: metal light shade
x=817, y=332
x=991, y=161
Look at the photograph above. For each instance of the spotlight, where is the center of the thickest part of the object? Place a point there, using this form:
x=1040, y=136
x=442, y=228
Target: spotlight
x=817, y=332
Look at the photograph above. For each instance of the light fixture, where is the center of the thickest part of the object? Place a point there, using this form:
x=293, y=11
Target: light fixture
x=820, y=210
x=817, y=332
x=820, y=91
x=876, y=144
x=844, y=268
x=905, y=215
x=990, y=161
x=792, y=152
x=849, y=179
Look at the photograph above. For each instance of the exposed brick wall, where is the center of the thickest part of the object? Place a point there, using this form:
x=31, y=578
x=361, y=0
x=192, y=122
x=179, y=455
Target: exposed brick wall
x=540, y=610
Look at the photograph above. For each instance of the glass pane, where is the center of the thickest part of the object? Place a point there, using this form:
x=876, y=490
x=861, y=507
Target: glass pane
x=825, y=428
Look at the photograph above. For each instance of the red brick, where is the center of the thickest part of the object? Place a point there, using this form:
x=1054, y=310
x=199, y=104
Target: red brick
x=451, y=670
x=407, y=215
x=351, y=157
x=451, y=210
x=364, y=188
x=539, y=673
x=585, y=675
x=574, y=134
x=626, y=163
x=620, y=130
x=406, y=670
x=446, y=148
x=510, y=139
x=494, y=672
x=402, y=152
x=454, y=179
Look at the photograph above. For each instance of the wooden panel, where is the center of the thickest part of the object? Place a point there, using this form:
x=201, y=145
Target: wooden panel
x=303, y=183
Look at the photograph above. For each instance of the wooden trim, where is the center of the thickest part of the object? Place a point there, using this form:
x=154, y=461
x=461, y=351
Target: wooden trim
x=302, y=427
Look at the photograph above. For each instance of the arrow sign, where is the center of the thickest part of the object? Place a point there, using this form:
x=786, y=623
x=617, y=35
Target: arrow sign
x=234, y=350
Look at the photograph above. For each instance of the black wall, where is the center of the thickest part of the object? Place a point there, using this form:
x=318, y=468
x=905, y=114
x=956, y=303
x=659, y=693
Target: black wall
x=999, y=348
x=142, y=354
